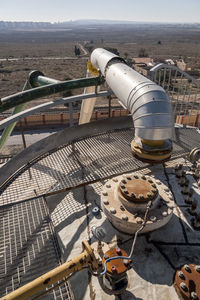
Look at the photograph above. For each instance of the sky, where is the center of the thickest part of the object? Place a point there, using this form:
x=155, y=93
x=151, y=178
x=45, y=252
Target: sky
x=184, y=11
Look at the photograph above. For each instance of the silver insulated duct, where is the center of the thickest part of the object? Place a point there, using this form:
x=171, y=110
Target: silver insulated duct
x=147, y=102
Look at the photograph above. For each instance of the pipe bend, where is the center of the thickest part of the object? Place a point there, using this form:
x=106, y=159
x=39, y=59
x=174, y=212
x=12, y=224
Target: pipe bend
x=147, y=102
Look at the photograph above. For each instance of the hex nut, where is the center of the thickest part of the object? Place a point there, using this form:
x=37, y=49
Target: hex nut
x=197, y=268
x=153, y=218
x=194, y=296
x=183, y=286
x=124, y=217
x=187, y=268
x=113, y=210
x=139, y=220
x=105, y=194
x=105, y=201
x=181, y=275
x=164, y=213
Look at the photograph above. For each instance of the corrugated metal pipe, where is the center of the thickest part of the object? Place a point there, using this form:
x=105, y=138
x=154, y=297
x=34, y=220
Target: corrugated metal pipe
x=147, y=102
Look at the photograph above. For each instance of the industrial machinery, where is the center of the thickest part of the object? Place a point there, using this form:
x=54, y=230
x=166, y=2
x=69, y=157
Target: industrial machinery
x=128, y=185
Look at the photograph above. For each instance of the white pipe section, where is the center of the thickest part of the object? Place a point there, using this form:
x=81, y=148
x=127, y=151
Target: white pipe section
x=148, y=103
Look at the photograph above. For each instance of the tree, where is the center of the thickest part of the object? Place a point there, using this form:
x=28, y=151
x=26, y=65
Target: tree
x=143, y=53
x=113, y=50
x=125, y=55
x=77, y=51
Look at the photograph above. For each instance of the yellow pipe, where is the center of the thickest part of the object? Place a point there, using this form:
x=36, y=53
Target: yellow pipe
x=87, y=257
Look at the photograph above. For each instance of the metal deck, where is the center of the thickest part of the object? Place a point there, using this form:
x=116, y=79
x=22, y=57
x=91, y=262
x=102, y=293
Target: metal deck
x=55, y=183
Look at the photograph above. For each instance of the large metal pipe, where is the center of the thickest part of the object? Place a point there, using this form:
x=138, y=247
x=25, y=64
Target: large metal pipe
x=147, y=102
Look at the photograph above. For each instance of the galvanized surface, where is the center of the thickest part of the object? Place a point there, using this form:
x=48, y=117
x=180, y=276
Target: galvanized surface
x=100, y=156
x=28, y=247
x=182, y=89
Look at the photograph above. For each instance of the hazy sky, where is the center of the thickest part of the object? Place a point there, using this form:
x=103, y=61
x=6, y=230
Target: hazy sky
x=132, y=10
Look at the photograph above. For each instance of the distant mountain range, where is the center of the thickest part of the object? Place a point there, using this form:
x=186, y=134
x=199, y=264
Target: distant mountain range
x=8, y=25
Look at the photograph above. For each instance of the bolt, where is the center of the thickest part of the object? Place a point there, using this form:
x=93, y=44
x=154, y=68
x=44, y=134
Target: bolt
x=153, y=218
x=126, y=192
x=178, y=171
x=153, y=185
x=115, y=179
x=113, y=269
x=149, y=195
x=150, y=181
x=154, y=191
x=106, y=202
x=128, y=178
x=141, y=196
x=136, y=176
x=133, y=195
x=113, y=210
x=197, y=268
x=183, y=286
x=158, y=182
x=122, y=187
x=185, y=187
x=188, y=200
x=194, y=296
x=187, y=268
x=118, y=251
x=182, y=181
x=108, y=186
x=124, y=217
x=192, y=210
x=181, y=275
x=164, y=213
x=126, y=262
x=197, y=221
x=124, y=181
x=106, y=256
x=105, y=194
x=139, y=220
x=143, y=177
x=122, y=208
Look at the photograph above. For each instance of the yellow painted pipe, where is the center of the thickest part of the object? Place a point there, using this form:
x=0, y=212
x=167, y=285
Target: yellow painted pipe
x=30, y=289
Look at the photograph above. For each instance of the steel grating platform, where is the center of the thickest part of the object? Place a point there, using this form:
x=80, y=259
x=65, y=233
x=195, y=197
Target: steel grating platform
x=100, y=156
x=68, y=170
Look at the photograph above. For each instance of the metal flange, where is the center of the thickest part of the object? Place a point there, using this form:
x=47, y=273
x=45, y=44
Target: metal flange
x=127, y=213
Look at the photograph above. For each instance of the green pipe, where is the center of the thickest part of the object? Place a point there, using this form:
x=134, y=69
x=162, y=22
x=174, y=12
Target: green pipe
x=42, y=91
x=8, y=130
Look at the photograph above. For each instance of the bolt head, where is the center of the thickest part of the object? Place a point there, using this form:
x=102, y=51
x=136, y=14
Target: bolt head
x=128, y=178
x=139, y=220
x=113, y=269
x=105, y=194
x=183, y=286
x=181, y=275
x=153, y=218
x=164, y=213
x=113, y=210
x=126, y=192
x=187, y=269
x=118, y=251
x=122, y=187
x=194, y=296
x=106, y=202
x=197, y=268
x=124, y=181
x=124, y=217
